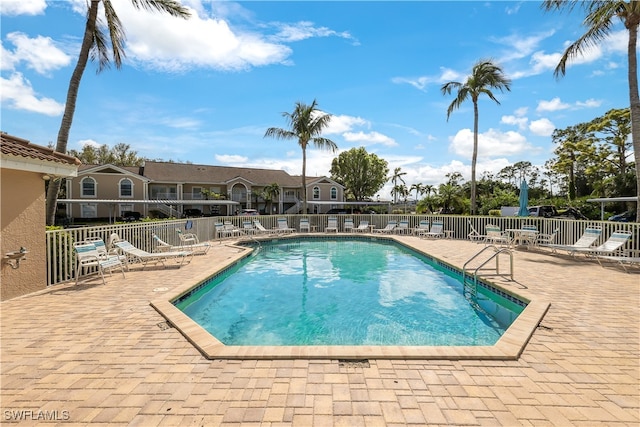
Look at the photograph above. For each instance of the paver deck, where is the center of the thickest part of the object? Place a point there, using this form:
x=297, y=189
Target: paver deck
x=96, y=354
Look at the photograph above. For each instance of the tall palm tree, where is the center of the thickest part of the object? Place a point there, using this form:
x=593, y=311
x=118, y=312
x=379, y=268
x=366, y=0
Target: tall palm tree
x=418, y=188
x=599, y=20
x=95, y=46
x=485, y=76
x=306, y=124
x=397, y=176
x=271, y=192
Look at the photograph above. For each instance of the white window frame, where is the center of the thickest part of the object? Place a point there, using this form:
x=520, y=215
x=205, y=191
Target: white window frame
x=334, y=193
x=95, y=188
x=316, y=193
x=88, y=210
x=120, y=188
x=198, y=193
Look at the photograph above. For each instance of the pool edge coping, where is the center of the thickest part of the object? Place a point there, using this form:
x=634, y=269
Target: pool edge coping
x=509, y=347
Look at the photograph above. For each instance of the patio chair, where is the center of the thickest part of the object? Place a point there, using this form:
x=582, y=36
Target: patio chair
x=589, y=237
x=283, y=226
x=332, y=225
x=305, y=225
x=436, y=231
x=89, y=258
x=232, y=230
x=249, y=228
x=187, y=238
x=614, y=243
x=543, y=239
x=630, y=258
x=474, y=236
x=403, y=227
x=391, y=225
x=526, y=235
x=139, y=255
x=348, y=225
x=197, y=248
x=261, y=228
x=423, y=226
x=363, y=227
x=493, y=235
x=101, y=247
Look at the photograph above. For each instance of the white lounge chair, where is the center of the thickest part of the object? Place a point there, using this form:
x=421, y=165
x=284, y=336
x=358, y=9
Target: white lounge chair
x=305, y=225
x=283, y=226
x=403, y=227
x=332, y=225
x=614, y=243
x=589, y=237
x=196, y=248
x=101, y=247
x=493, y=235
x=363, y=227
x=423, y=226
x=436, y=231
x=629, y=259
x=543, y=239
x=88, y=257
x=261, y=228
x=391, y=225
x=138, y=255
x=474, y=235
x=249, y=228
x=348, y=225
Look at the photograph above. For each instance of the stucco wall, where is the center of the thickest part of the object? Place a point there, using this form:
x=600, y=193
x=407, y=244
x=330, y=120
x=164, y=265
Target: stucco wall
x=23, y=222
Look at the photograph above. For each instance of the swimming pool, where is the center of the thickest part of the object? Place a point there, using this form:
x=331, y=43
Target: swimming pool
x=346, y=291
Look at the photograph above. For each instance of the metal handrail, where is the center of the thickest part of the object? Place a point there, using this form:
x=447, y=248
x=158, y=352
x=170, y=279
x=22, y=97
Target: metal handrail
x=496, y=253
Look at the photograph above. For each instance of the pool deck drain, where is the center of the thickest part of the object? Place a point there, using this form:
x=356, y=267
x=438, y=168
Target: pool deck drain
x=95, y=352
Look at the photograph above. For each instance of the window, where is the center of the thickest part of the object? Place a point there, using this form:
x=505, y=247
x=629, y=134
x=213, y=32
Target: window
x=196, y=193
x=334, y=193
x=316, y=193
x=125, y=208
x=126, y=188
x=88, y=187
x=88, y=210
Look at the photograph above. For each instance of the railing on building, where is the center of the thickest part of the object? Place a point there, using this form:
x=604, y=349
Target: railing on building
x=61, y=260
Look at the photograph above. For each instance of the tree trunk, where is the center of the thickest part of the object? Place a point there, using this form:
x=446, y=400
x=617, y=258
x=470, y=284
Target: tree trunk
x=304, y=178
x=70, y=105
x=474, y=157
x=634, y=101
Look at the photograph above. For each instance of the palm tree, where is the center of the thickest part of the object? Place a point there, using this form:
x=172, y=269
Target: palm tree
x=418, y=188
x=397, y=176
x=94, y=44
x=269, y=193
x=485, y=76
x=306, y=124
x=600, y=15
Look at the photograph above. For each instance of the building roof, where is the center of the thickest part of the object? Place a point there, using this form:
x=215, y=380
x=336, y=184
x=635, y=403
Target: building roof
x=186, y=172
x=18, y=153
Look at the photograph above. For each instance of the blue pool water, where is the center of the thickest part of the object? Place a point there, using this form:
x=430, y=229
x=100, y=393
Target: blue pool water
x=344, y=292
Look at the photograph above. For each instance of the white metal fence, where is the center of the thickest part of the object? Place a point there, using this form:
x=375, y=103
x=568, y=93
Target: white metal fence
x=61, y=258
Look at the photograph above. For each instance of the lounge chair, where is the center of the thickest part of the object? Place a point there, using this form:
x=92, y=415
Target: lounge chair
x=88, y=257
x=332, y=225
x=493, y=235
x=249, y=228
x=261, y=228
x=614, y=243
x=305, y=226
x=232, y=230
x=403, y=227
x=108, y=253
x=589, y=237
x=436, y=231
x=363, y=227
x=348, y=225
x=283, y=226
x=423, y=226
x=391, y=225
x=474, y=236
x=630, y=258
x=196, y=248
x=138, y=255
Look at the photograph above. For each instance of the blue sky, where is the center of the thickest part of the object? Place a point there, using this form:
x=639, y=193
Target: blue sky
x=206, y=89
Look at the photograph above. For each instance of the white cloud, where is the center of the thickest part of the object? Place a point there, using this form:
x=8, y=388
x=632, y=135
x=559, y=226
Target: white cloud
x=554, y=105
x=304, y=30
x=521, y=122
x=343, y=123
x=18, y=94
x=369, y=138
x=492, y=143
x=542, y=127
x=231, y=159
x=39, y=53
x=589, y=103
x=90, y=142
x=22, y=7
x=446, y=75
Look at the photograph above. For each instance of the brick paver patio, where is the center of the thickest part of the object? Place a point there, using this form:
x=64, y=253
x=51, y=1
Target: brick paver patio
x=94, y=354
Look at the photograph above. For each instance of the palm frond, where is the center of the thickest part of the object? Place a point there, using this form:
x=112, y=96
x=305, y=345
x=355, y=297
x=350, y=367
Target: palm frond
x=172, y=7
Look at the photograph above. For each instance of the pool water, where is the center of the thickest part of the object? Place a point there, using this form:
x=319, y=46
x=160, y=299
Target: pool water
x=343, y=292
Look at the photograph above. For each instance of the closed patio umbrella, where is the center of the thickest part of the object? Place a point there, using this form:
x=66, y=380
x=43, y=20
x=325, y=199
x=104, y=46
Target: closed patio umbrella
x=524, y=199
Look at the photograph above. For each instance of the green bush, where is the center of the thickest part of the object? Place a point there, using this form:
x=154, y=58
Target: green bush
x=495, y=212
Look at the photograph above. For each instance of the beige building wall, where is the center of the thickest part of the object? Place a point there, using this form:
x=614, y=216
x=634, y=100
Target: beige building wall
x=107, y=187
x=23, y=225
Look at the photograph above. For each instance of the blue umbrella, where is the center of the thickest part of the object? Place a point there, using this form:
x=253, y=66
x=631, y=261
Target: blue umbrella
x=524, y=199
